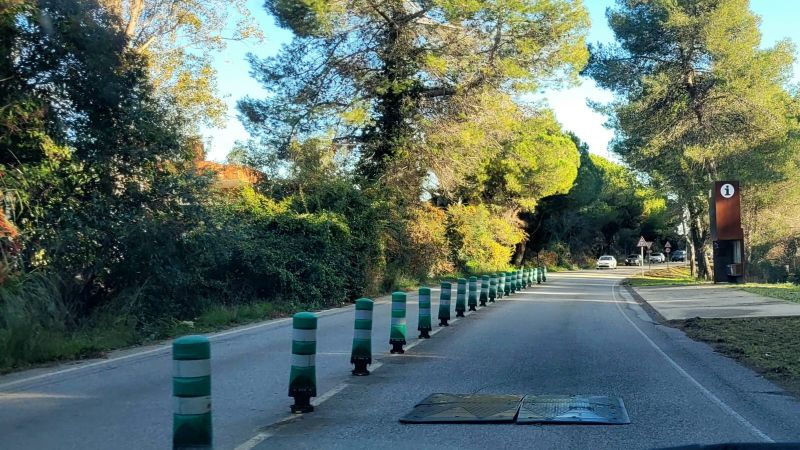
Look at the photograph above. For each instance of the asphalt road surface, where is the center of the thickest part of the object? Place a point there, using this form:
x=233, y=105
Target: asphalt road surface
x=576, y=334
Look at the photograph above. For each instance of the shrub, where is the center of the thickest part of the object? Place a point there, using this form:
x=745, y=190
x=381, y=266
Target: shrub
x=481, y=241
x=428, y=246
x=250, y=248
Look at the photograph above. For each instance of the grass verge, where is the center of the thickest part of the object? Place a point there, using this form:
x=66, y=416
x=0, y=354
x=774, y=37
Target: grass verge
x=31, y=335
x=785, y=291
x=663, y=277
x=23, y=346
x=769, y=345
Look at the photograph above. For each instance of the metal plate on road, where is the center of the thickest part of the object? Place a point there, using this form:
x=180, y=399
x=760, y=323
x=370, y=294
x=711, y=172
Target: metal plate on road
x=465, y=408
x=575, y=409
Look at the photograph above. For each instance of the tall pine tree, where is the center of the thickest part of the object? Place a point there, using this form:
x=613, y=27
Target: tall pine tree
x=697, y=98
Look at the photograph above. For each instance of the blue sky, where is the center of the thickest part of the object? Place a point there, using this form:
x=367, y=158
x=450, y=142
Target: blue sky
x=779, y=20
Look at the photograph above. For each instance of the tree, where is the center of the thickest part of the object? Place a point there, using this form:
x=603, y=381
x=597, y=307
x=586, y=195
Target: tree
x=106, y=164
x=697, y=99
x=179, y=37
x=372, y=75
x=606, y=210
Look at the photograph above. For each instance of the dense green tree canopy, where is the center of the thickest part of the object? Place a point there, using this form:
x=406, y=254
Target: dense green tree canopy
x=94, y=158
x=605, y=211
x=373, y=75
x=697, y=98
x=179, y=39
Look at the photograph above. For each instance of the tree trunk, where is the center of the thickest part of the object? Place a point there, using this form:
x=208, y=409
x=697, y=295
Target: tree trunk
x=519, y=253
x=699, y=234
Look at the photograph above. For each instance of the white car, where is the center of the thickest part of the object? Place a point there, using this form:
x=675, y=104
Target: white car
x=657, y=258
x=607, y=261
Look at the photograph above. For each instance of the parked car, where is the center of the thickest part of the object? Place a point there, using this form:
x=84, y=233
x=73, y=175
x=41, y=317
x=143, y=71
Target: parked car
x=607, y=261
x=657, y=257
x=633, y=260
x=679, y=255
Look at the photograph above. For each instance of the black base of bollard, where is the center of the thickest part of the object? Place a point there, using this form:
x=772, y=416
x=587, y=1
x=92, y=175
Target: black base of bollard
x=424, y=334
x=459, y=313
x=443, y=323
x=361, y=369
x=397, y=348
x=483, y=302
x=302, y=404
x=491, y=300
x=472, y=308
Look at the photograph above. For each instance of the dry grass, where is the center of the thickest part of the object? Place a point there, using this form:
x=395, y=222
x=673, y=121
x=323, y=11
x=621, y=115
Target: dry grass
x=663, y=277
x=769, y=345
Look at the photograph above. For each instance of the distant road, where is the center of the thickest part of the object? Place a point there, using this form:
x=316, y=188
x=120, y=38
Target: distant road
x=577, y=334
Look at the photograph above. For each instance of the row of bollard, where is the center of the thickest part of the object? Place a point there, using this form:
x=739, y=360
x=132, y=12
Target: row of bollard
x=191, y=381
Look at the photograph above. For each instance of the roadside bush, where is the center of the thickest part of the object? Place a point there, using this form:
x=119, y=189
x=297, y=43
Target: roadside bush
x=549, y=259
x=480, y=240
x=249, y=248
x=32, y=313
x=429, y=250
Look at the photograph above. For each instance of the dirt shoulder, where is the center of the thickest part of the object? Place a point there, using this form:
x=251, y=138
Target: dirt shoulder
x=768, y=345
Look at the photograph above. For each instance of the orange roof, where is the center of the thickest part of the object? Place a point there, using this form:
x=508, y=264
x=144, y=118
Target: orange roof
x=230, y=176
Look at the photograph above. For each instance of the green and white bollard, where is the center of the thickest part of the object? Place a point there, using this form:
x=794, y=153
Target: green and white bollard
x=191, y=393
x=303, y=375
x=492, y=287
x=397, y=335
x=520, y=285
x=472, y=298
x=530, y=277
x=512, y=277
x=544, y=274
x=501, y=284
x=444, y=304
x=538, y=275
x=485, y=289
x=461, y=297
x=525, y=274
x=361, y=356
x=506, y=284
x=424, y=326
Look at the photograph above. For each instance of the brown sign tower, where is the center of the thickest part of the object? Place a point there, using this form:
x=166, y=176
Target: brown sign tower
x=726, y=232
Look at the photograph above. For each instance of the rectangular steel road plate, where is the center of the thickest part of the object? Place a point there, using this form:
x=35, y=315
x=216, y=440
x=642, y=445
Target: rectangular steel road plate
x=464, y=408
x=577, y=409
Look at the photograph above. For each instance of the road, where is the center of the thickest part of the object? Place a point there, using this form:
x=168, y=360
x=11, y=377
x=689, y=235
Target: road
x=577, y=334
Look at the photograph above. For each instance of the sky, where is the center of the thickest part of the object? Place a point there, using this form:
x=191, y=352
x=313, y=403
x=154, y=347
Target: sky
x=779, y=21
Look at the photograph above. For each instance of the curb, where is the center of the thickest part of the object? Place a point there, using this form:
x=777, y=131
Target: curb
x=652, y=312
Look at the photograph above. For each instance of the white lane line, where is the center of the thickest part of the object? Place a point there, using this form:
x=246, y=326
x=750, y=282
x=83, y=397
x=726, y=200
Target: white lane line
x=264, y=435
x=255, y=440
x=331, y=392
x=713, y=398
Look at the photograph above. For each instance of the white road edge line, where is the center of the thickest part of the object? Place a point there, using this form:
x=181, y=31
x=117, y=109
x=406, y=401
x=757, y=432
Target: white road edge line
x=714, y=399
x=163, y=348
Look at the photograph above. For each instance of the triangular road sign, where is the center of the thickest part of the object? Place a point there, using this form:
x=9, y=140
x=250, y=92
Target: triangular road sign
x=642, y=242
